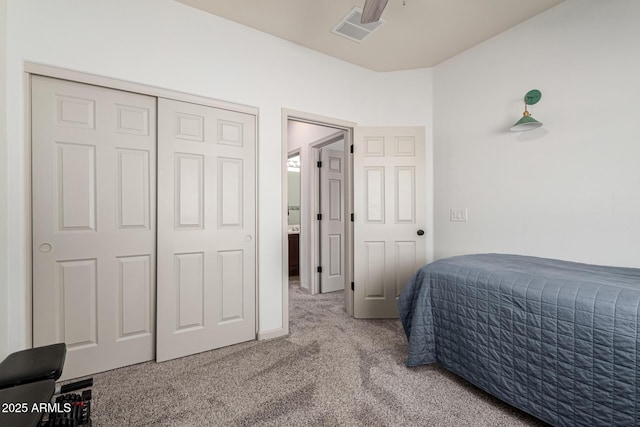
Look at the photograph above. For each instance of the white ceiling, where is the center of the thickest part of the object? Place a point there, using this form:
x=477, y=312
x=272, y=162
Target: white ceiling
x=420, y=34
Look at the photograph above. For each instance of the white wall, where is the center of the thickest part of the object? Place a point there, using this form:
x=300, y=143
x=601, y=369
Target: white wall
x=170, y=45
x=386, y=95
x=3, y=181
x=569, y=190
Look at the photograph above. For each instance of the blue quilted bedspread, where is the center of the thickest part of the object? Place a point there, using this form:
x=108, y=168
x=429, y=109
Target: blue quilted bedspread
x=556, y=339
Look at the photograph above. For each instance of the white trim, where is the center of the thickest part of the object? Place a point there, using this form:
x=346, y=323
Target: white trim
x=257, y=223
x=97, y=80
x=272, y=333
x=4, y=188
x=316, y=119
x=314, y=232
x=27, y=209
x=284, y=148
x=349, y=247
x=327, y=140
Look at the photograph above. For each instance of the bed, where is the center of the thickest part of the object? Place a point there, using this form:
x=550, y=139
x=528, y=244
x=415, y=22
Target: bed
x=556, y=339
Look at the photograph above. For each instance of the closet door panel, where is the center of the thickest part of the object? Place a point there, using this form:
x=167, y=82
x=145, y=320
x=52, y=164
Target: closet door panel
x=207, y=212
x=94, y=234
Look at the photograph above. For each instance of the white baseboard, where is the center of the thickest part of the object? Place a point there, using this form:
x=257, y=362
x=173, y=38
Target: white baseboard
x=273, y=333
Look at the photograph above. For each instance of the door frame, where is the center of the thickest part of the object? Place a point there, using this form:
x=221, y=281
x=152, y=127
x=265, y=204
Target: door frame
x=32, y=68
x=339, y=125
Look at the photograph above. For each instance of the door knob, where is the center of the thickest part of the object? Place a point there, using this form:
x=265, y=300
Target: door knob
x=420, y=232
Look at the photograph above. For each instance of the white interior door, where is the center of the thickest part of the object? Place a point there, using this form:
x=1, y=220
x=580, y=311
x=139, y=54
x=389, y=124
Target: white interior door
x=93, y=163
x=389, y=205
x=332, y=227
x=206, y=228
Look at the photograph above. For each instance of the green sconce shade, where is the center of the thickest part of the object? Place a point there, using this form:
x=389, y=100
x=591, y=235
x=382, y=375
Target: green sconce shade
x=527, y=122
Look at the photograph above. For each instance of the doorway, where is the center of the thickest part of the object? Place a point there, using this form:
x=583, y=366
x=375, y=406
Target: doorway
x=293, y=214
x=314, y=137
x=385, y=202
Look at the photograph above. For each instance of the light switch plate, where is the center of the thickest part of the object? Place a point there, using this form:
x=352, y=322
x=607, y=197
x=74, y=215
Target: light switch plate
x=458, y=215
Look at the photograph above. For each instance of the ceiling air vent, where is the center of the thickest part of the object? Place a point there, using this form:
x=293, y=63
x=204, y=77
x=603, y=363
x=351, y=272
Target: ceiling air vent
x=351, y=28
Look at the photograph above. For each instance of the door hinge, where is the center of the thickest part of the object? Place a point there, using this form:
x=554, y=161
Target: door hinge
x=319, y=164
x=351, y=148
x=319, y=217
x=352, y=287
x=319, y=269
x=351, y=217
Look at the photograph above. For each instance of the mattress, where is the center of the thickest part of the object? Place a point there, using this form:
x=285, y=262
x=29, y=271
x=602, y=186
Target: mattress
x=556, y=339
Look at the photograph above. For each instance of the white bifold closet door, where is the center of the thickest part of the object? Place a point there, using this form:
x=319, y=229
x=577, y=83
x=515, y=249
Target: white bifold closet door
x=94, y=231
x=206, y=228
x=94, y=178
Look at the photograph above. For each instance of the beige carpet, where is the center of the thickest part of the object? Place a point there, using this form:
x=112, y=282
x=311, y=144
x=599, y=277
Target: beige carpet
x=331, y=370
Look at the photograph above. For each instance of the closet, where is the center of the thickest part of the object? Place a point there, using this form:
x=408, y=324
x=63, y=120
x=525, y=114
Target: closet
x=144, y=225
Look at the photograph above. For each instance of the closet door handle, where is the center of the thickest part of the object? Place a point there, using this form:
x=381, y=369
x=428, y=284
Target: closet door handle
x=420, y=233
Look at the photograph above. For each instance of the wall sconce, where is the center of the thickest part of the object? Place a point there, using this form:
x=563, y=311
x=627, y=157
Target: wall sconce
x=527, y=122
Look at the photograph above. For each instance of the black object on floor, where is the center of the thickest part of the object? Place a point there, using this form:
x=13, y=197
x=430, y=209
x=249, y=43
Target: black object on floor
x=17, y=403
x=34, y=364
x=79, y=414
x=27, y=384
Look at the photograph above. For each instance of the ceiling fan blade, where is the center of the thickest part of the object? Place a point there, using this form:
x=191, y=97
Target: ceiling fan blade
x=372, y=11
